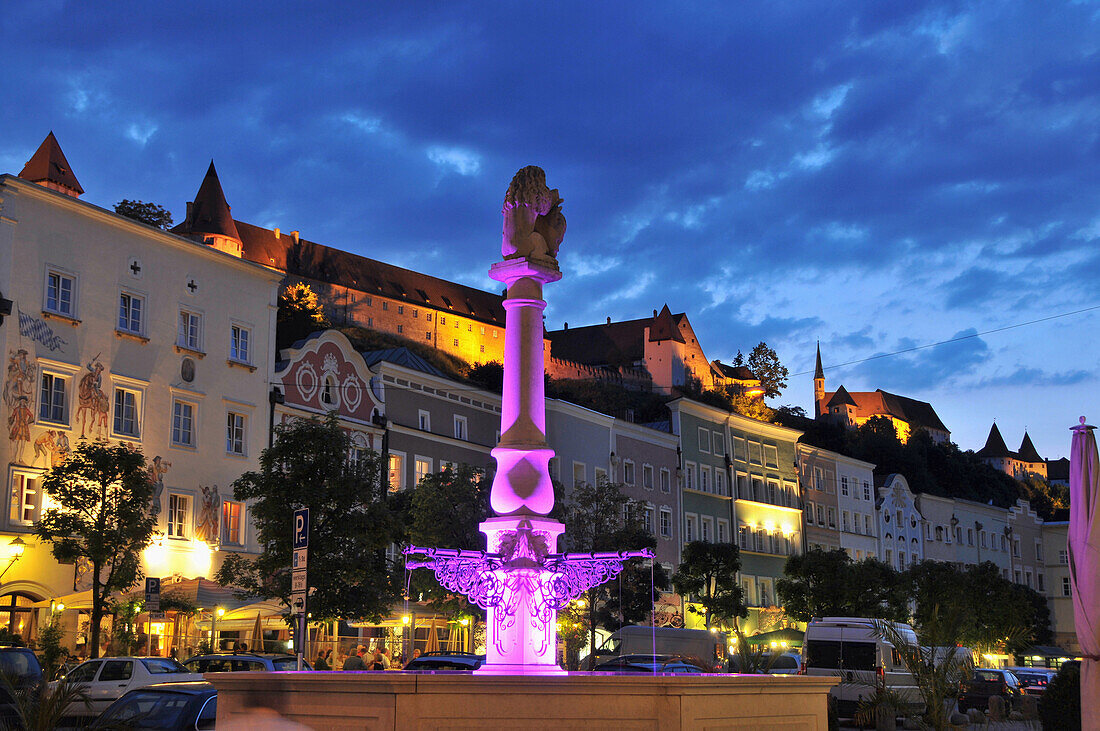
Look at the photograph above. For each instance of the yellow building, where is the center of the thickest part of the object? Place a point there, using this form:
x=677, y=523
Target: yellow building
x=124, y=332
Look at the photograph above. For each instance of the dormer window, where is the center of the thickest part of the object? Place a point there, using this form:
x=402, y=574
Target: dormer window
x=328, y=391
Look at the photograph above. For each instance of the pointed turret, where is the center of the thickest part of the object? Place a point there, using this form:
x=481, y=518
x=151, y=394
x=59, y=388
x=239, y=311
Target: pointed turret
x=1028, y=452
x=995, y=447
x=49, y=168
x=841, y=398
x=208, y=217
x=819, y=385
x=664, y=327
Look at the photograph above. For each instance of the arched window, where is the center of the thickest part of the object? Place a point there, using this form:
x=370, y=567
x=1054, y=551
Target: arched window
x=328, y=391
x=17, y=613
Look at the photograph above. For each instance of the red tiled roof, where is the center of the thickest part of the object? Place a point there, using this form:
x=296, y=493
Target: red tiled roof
x=209, y=213
x=613, y=344
x=326, y=264
x=48, y=163
x=918, y=414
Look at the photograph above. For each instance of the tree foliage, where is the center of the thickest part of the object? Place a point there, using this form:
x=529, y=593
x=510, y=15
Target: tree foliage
x=444, y=511
x=148, y=213
x=821, y=583
x=707, y=576
x=100, y=514
x=601, y=518
x=300, y=313
x=489, y=376
x=765, y=365
x=351, y=522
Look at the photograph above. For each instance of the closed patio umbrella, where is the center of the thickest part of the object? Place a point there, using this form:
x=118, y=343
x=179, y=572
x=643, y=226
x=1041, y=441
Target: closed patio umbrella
x=258, y=635
x=433, y=639
x=1084, y=565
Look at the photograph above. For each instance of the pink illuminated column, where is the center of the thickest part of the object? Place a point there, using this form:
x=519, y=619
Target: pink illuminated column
x=522, y=484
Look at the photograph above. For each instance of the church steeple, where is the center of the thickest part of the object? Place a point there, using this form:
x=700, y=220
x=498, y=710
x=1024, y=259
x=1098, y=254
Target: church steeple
x=49, y=168
x=209, y=219
x=819, y=384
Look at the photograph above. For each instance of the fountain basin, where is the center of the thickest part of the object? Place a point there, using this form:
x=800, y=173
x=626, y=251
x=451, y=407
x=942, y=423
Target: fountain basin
x=398, y=700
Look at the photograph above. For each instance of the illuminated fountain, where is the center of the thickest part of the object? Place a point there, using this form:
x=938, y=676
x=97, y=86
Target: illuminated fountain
x=521, y=580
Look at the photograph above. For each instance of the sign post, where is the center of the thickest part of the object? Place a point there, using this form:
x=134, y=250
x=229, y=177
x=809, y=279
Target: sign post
x=152, y=605
x=299, y=584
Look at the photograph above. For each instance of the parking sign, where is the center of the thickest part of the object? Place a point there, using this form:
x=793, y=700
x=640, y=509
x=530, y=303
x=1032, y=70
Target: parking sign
x=301, y=528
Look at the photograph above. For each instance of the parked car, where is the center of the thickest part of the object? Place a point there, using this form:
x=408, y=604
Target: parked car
x=985, y=683
x=650, y=663
x=432, y=661
x=1034, y=680
x=243, y=662
x=786, y=663
x=848, y=647
x=105, y=680
x=190, y=706
x=699, y=643
x=25, y=672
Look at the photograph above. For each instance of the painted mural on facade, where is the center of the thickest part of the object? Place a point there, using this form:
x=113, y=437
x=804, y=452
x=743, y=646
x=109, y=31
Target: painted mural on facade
x=52, y=446
x=156, y=470
x=93, y=401
x=19, y=390
x=207, y=528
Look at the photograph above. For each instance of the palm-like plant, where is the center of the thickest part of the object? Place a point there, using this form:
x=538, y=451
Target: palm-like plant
x=752, y=659
x=937, y=676
x=40, y=707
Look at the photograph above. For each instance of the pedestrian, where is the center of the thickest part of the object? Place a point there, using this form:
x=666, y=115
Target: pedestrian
x=319, y=663
x=385, y=653
x=415, y=654
x=377, y=663
x=355, y=662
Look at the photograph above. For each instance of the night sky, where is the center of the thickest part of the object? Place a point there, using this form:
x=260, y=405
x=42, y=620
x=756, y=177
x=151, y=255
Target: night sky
x=875, y=175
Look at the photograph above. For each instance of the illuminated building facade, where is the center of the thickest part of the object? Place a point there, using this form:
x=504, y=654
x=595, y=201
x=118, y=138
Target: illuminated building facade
x=121, y=331
x=1021, y=464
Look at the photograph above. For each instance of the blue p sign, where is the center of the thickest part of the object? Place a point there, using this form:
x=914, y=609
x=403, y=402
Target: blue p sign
x=301, y=528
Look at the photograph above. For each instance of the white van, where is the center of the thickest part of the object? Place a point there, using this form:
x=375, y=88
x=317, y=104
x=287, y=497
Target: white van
x=710, y=647
x=848, y=647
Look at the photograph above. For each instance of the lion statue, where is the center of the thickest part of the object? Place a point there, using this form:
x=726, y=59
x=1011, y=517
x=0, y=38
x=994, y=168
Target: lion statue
x=533, y=222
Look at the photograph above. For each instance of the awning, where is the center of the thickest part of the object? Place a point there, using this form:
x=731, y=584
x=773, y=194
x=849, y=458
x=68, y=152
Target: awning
x=789, y=635
x=76, y=600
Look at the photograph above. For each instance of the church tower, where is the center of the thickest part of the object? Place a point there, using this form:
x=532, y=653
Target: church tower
x=819, y=384
x=208, y=217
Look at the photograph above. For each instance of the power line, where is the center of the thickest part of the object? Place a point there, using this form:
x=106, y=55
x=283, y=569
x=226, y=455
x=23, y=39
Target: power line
x=952, y=340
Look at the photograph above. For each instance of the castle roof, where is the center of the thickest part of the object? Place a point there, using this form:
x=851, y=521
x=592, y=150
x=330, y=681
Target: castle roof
x=918, y=414
x=209, y=212
x=616, y=343
x=737, y=373
x=841, y=398
x=995, y=446
x=665, y=327
x=1027, y=452
x=299, y=257
x=48, y=164
x=1058, y=469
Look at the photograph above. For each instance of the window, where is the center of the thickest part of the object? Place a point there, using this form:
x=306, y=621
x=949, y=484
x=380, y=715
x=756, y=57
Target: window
x=723, y=531
x=189, y=330
x=689, y=476
x=706, y=529
x=25, y=497
x=689, y=528
x=401, y=309
x=704, y=440
x=866, y=490
x=771, y=454
x=704, y=478
x=647, y=519
x=116, y=670
x=130, y=308
x=579, y=475
x=757, y=489
x=809, y=511
x=844, y=486
x=385, y=305
x=234, y=433
x=719, y=481
x=51, y=406
x=773, y=489
x=600, y=477
x=60, y=293
x=939, y=533
x=416, y=313
x=442, y=319
x=666, y=523
x=743, y=486
x=424, y=419
x=396, y=471
x=719, y=444
x=1040, y=583
x=832, y=517
x=231, y=522
x=628, y=472
x=423, y=467
x=765, y=592
x=127, y=416
x=1063, y=557
x=844, y=520
x=1016, y=548
x=179, y=515
x=427, y=317
x=666, y=480
x=821, y=514
x=456, y=342
x=755, y=453
x=1038, y=551
x=482, y=329
x=494, y=333
x=819, y=478
x=183, y=423
x=748, y=588
x=1067, y=590
x=970, y=536
x=740, y=452
x=743, y=537
x=460, y=428
x=239, y=344
x=867, y=525
x=647, y=476
x=400, y=328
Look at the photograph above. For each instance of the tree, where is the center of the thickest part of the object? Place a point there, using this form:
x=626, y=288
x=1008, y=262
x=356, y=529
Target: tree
x=148, y=213
x=601, y=518
x=489, y=376
x=444, y=511
x=765, y=365
x=828, y=583
x=708, y=574
x=102, y=496
x=310, y=465
x=300, y=313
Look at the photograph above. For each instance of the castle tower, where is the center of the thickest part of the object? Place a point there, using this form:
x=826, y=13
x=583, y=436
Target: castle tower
x=819, y=385
x=49, y=168
x=209, y=219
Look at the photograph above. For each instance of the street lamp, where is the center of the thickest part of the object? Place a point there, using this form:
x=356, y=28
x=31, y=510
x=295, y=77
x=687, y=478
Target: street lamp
x=219, y=611
x=17, y=546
